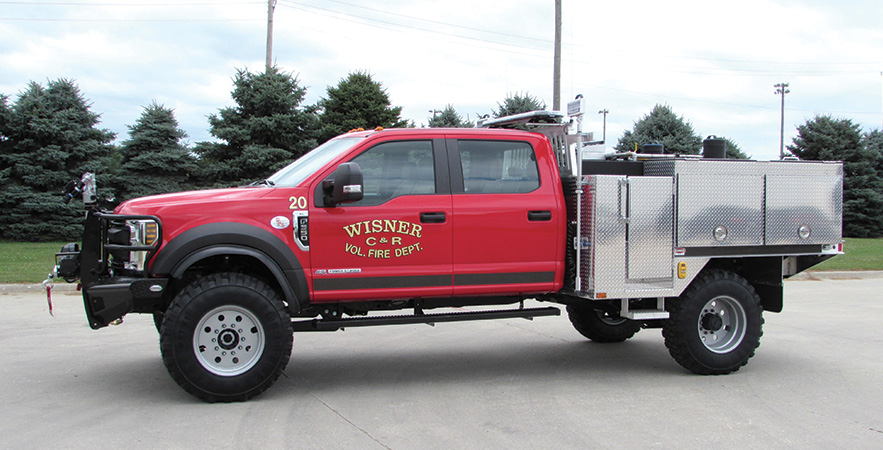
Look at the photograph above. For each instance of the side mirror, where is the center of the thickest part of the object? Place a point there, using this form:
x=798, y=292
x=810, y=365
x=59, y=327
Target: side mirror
x=345, y=185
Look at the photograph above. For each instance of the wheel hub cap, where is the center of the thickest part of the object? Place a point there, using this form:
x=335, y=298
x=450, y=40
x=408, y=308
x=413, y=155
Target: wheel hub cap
x=228, y=340
x=722, y=324
x=712, y=322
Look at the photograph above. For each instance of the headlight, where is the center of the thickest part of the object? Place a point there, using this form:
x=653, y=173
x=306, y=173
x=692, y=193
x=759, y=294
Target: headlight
x=141, y=232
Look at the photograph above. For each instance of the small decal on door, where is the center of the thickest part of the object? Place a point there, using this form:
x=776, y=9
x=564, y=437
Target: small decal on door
x=280, y=222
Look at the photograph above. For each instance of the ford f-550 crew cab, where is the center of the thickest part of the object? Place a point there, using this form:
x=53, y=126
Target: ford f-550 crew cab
x=428, y=219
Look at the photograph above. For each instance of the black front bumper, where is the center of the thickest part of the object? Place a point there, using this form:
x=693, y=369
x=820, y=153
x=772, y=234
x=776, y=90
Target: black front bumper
x=111, y=299
x=109, y=290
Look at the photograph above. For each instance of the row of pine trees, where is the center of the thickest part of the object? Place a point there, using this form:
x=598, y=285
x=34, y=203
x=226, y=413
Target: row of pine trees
x=49, y=135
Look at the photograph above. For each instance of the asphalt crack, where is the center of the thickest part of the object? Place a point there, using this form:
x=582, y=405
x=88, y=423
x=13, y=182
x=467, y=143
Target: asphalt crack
x=364, y=431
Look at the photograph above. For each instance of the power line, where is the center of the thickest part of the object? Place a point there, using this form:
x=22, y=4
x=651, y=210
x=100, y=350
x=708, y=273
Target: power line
x=396, y=26
x=392, y=26
x=507, y=47
x=422, y=19
x=531, y=50
x=714, y=102
x=389, y=26
x=17, y=19
x=548, y=41
x=128, y=4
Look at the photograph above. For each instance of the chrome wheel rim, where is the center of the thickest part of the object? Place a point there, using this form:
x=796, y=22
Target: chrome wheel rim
x=228, y=341
x=722, y=324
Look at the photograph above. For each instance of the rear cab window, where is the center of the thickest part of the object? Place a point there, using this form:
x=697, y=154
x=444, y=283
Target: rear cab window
x=498, y=167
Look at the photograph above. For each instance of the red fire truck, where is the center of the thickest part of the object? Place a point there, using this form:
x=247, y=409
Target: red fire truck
x=419, y=221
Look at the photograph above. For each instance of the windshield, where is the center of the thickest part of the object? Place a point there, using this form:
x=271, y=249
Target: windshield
x=298, y=171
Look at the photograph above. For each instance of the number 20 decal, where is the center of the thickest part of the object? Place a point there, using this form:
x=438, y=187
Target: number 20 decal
x=297, y=202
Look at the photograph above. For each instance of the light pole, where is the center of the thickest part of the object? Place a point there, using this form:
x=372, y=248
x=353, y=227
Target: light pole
x=271, y=6
x=604, y=128
x=556, y=67
x=782, y=89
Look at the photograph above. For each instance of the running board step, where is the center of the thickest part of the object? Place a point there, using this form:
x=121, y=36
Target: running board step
x=646, y=314
x=338, y=324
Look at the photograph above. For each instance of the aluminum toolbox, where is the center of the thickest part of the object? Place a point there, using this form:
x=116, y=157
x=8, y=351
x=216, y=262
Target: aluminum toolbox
x=635, y=229
x=754, y=202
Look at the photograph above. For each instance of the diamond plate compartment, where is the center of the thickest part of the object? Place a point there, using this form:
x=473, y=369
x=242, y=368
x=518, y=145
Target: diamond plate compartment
x=650, y=228
x=603, y=263
x=804, y=209
x=739, y=202
x=720, y=210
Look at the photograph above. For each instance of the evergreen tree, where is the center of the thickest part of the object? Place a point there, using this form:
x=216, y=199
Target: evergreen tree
x=265, y=131
x=50, y=138
x=733, y=150
x=5, y=117
x=662, y=126
x=519, y=103
x=153, y=160
x=5, y=140
x=448, y=118
x=873, y=143
x=827, y=139
x=357, y=102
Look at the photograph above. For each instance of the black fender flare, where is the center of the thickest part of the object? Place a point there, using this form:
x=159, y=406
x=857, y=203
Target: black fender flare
x=234, y=238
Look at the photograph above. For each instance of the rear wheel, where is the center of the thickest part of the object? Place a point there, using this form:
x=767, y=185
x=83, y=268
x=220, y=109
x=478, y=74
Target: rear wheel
x=226, y=337
x=601, y=326
x=715, y=325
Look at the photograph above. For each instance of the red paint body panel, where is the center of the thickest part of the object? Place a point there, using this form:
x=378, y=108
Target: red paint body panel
x=484, y=246
x=492, y=233
x=384, y=241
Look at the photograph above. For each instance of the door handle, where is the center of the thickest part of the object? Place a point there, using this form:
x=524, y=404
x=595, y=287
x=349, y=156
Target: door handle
x=539, y=216
x=432, y=217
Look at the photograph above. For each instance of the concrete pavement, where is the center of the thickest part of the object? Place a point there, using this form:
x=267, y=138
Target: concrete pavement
x=814, y=383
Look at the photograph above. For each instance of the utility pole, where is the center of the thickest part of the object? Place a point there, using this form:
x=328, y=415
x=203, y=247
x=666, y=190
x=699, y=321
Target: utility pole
x=271, y=6
x=782, y=89
x=556, y=72
x=604, y=129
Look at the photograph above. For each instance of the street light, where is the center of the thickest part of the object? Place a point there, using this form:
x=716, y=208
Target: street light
x=782, y=89
x=604, y=129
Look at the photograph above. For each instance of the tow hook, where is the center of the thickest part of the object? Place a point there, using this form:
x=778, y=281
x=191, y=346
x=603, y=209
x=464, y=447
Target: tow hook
x=47, y=283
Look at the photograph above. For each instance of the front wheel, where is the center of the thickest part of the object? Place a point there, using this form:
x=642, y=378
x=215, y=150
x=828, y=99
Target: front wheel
x=715, y=325
x=226, y=337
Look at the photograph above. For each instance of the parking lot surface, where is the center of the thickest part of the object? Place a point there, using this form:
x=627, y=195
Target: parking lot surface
x=815, y=382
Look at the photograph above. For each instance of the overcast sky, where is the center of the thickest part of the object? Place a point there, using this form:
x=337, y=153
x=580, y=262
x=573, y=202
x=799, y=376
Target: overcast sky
x=714, y=63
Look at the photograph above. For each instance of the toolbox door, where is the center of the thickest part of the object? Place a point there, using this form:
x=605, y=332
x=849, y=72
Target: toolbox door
x=650, y=231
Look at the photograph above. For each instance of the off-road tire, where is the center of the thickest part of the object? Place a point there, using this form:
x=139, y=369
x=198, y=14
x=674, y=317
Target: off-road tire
x=211, y=320
x=600, y=326
x=715, y=325
x=158, y=318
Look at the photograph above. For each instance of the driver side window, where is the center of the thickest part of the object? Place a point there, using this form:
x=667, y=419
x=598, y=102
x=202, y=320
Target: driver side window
x=394, y=169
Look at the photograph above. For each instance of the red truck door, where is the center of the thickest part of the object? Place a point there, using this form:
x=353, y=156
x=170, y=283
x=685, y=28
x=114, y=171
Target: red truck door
x=508, y=213
x=397, y=239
